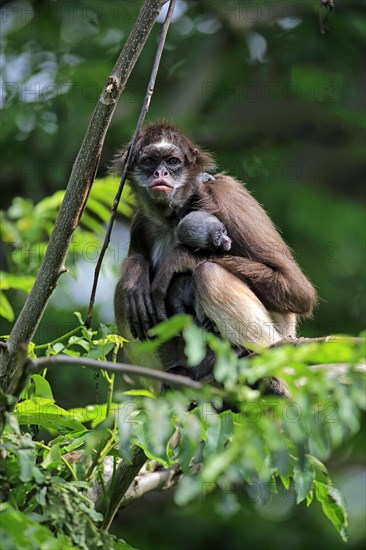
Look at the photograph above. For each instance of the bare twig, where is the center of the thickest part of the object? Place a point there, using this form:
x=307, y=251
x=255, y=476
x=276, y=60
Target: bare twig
x=144, y=110
x=78, y=188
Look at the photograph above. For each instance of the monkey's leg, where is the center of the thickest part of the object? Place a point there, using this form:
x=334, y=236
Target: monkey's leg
x=238, y=314
x=285, y=323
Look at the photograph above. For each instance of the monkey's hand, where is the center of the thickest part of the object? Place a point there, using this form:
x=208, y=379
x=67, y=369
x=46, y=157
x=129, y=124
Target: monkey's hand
x=140, y=312
x=204, y=177
x=179, y=261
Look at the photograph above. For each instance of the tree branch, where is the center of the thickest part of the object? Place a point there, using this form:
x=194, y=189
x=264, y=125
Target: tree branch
x=146, y=481
x=35, y=366
x=77, y=192
x=118, y=485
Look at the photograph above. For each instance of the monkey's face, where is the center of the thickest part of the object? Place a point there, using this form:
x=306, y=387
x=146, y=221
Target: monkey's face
x=219, y=239
x=160, y=169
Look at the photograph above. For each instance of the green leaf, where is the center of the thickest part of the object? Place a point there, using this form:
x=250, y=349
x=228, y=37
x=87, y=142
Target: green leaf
x=303, y=481
x=43, y=412
x=78, y=341
x=19, y=282
x=79, y=317
x=195, y=347
x=56, y=348
x=6, y=310
x=50, y=204
x=217, y=464
x=329, y=497
x=91, y=224
x=171, y=327
x=190, y=440
x=27, y=458
x=91, y=413
x=77, y=442
x=286, y=481
x=333, y=507
x=52, y=458
x=157, y=426
x=226, y=366
x=188, y=490
x=127, y=413
x=163, y=332
x=17, y=530
x=219, y=430
x=104, y=189
x=140, y=393
x=98, y=209
x=42, y=387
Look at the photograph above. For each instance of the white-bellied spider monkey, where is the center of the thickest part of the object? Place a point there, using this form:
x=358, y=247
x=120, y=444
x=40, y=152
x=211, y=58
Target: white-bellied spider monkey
x=252, y=293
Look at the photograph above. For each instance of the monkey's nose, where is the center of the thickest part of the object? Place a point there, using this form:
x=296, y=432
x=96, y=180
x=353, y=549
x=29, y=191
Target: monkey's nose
x=162, y=173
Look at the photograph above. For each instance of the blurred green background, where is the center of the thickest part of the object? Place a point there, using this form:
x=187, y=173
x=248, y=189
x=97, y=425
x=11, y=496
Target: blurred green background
x=281, y=105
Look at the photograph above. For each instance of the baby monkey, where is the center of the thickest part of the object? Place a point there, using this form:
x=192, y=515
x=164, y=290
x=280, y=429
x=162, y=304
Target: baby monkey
x=198, y=231
x=202, y=231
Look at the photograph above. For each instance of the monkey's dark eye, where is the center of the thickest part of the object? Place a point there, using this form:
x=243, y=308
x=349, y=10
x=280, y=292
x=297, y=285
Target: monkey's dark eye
x=217, y=239
x=173, y=161
x=148, y=161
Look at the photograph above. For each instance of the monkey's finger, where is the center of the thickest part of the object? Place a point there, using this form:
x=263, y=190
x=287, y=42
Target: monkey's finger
x=143, y=316
x=135, y=319
x=129, y=317
x=150, y=310
x=159, y=304
x=158, y=299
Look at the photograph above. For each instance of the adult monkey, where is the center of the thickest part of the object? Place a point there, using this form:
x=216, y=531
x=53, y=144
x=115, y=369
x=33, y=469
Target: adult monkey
x=253, y=295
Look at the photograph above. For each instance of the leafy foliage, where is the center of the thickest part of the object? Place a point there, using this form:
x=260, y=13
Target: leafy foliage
x=230, y=441
x=42, y=502
x=25, y=229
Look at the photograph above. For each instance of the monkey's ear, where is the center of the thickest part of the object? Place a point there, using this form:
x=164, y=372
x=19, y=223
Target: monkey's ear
x=203, y=160
x=118, y=162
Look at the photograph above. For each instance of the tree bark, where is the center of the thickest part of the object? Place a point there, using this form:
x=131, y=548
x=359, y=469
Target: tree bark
x=119, y=484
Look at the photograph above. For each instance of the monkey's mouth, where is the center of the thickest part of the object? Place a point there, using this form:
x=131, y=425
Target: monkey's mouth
x=162, y=186
x=226, y=245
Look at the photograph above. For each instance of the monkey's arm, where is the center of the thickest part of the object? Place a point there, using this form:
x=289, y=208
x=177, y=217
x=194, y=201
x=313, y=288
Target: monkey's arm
x=280, y=288
x=133, y=297
x=180, y=260
x=134, y=289
x=259, y=256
